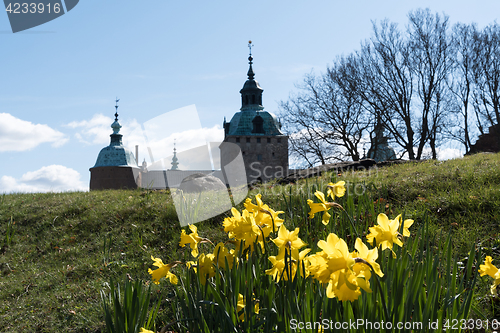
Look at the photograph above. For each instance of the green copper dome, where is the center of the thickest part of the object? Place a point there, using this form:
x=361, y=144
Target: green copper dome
x=247, y=123
x=115, y=154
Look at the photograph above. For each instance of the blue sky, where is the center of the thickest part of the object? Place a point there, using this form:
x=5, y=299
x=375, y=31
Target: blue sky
x=59, y=80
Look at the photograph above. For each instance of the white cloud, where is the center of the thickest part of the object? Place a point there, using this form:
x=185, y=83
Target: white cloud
x=52, y=178
x=93, y=131
x=20, y=135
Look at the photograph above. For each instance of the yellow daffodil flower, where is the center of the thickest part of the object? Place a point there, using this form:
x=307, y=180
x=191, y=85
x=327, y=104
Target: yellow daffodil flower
x=206, y=267
x=337, y=189
x=343, y=286
x=290, y=240
x=370, y=256
x=230, y=223
x=295, y=262
x=221, y=254
x=386, y=233
x=322, y=206
x=162, y=271
x=407, y=224
x=265, y=217
x=335, y=266
x=489, y=269
x=365, y=263
x=143, y=330
x=192, y=239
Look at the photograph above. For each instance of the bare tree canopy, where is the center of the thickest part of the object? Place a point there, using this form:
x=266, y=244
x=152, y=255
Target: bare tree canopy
x=418, y=84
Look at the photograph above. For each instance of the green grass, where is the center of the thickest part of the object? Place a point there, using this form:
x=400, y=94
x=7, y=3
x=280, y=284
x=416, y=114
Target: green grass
x=58, y=251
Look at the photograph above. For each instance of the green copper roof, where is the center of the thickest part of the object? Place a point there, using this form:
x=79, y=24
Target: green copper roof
x=243, y=123
x=115, y=154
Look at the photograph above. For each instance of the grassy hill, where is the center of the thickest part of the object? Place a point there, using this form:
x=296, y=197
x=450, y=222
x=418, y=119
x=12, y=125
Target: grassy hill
x=59, y=250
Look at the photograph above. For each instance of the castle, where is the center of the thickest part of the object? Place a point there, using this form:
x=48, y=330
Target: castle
x=257, y=133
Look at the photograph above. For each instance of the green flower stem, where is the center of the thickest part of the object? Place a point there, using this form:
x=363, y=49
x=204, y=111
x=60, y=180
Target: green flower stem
x=352, y=222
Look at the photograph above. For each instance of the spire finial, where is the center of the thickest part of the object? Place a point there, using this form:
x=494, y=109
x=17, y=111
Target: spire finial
x=250, y=48
x=116, y=107
x=250, y=73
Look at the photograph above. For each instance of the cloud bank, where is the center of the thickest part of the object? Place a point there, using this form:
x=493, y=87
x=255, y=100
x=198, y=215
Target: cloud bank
x=21, y=135
x=52, y=178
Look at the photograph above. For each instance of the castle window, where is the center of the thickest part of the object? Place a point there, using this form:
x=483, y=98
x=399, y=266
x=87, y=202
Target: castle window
x=258, y=125
x=259, y=157
x=273, y=155
x=248, y=140
x=246, y=100
x=258, y=140
x=279, y=140
x=253, y=99
x=268, y=140
x=237, y=139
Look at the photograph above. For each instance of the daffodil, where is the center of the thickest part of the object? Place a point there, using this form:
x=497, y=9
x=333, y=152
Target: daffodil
x=386, y=233
x=343, y=286
x=192, y=239
x=285, y=266
x=162, y=271
x=337, y=189
x=365, y=262
x=406, y=225
x=243, y=227
x=336, y=267
x=221, y=254
x=322, y=206
x=206, y=267
x=289, y=239
x=369, y=257
x=230, y=223
x=489, y=269
x=266, y=218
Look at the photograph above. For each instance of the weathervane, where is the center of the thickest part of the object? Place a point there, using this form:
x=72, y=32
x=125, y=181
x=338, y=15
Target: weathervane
x=250, y=47
x=116, y=107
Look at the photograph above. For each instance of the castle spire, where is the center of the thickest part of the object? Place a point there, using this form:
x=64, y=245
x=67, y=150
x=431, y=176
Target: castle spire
x=250, y=72
x=251, y=93
x=116, y=137
x=175, y=160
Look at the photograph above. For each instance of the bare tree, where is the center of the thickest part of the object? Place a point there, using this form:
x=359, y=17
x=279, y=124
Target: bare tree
x=465, y=42
x=487, y=76
x=422, y=86
x=431, y=62
x=387, y=83
x=305, y=137
x=325, y=113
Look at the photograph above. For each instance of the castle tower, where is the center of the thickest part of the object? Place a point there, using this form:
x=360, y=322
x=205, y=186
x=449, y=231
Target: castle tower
x=175, y=160
x=258, y=134
x=116, y=166
x=380, y=150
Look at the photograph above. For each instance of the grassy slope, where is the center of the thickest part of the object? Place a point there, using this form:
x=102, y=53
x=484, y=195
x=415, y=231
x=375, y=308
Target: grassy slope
x=66, y=247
